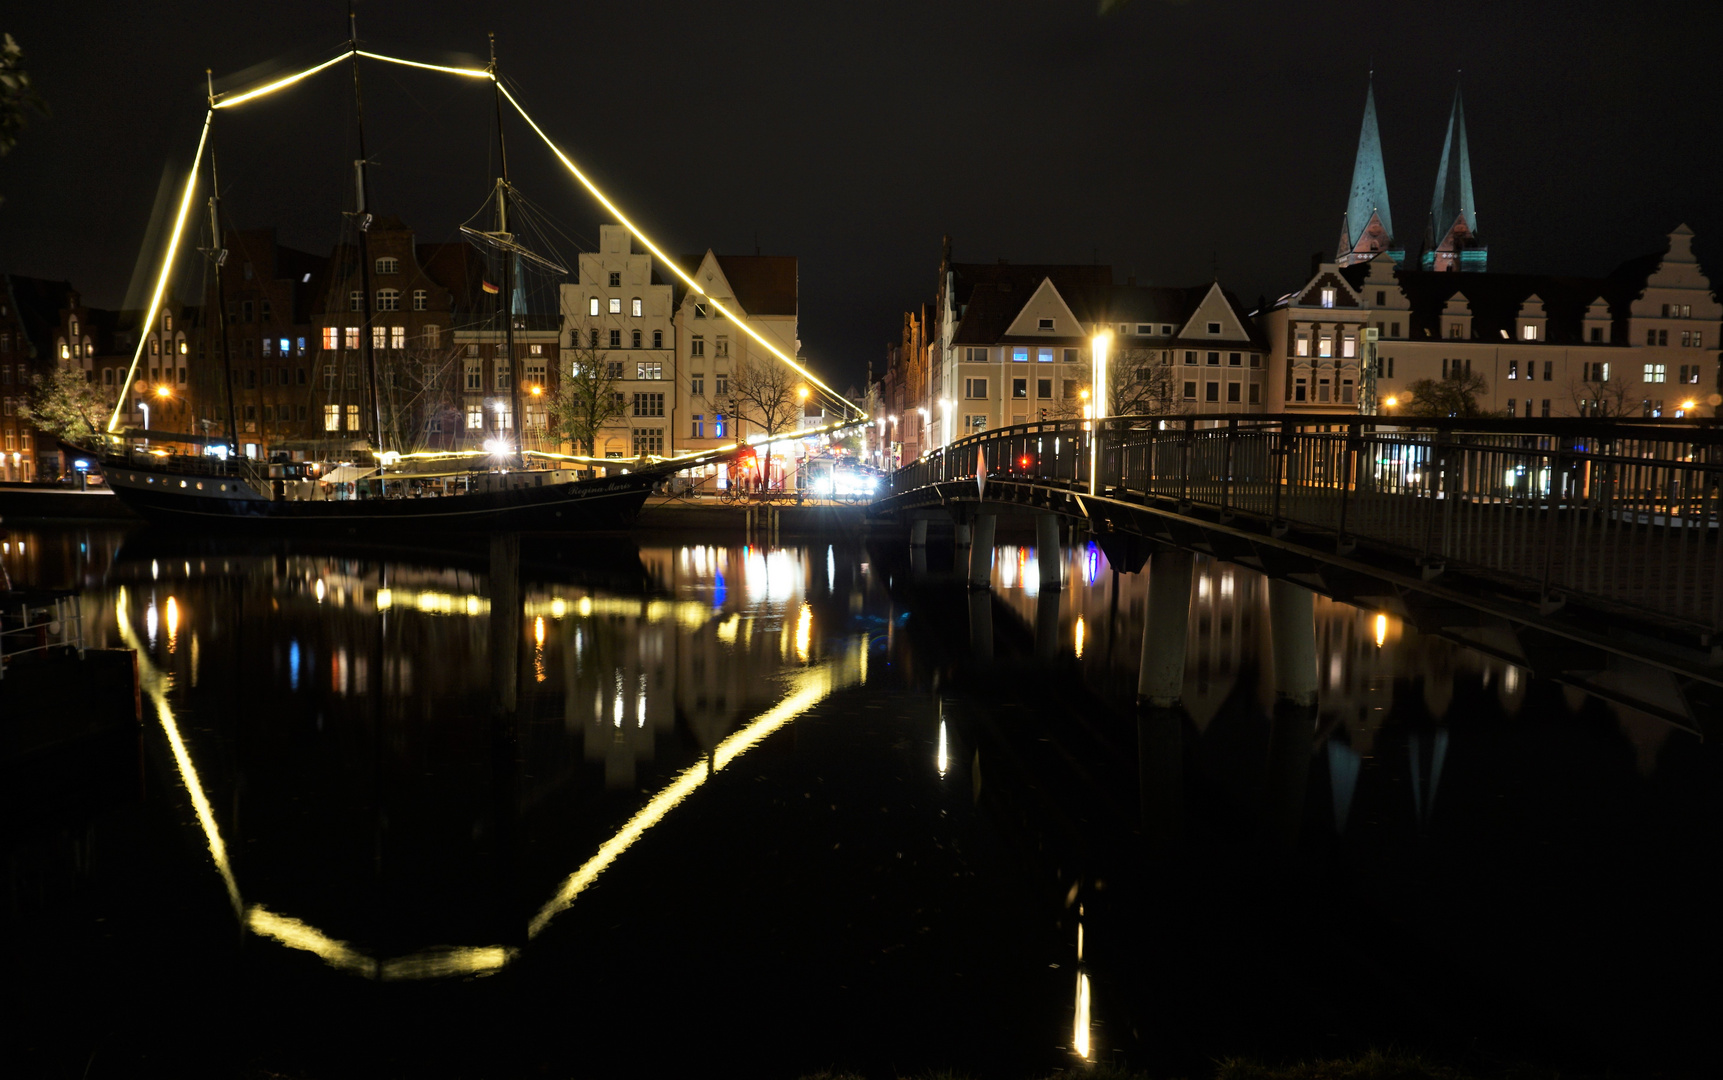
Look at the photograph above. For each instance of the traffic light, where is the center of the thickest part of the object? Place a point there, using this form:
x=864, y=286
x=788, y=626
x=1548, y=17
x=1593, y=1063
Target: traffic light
x=1043, y=414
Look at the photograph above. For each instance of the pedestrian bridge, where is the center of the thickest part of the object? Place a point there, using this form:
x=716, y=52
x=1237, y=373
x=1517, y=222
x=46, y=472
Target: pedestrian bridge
x=1587, y=551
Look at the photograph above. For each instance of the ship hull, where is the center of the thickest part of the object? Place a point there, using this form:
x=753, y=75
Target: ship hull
x=202, y=502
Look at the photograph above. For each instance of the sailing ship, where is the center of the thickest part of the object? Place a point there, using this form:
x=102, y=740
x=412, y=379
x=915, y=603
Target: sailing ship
x=363, y=486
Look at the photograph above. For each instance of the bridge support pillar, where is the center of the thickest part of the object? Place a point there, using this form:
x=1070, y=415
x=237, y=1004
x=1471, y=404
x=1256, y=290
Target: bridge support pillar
x=1047, y=625
x=981, y=552
x=960, y=537
x=1292, y=635
x=1161, y=676
x=918, y=533
x=1048, y=551
x=981, y=626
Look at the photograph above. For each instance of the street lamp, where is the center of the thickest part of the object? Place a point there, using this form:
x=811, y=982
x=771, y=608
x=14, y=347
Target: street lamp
x=1097, y=384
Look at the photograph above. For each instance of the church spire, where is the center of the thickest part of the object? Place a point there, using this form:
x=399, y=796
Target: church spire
x=1453, y=240
x=1367, y=229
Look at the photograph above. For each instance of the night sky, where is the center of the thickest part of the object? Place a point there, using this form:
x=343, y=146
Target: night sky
x=1165, y=139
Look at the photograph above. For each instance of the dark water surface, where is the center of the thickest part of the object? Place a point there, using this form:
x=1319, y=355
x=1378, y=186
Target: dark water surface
x=790, y=808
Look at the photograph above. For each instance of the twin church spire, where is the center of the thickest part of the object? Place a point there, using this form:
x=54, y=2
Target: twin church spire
x=1451, y=235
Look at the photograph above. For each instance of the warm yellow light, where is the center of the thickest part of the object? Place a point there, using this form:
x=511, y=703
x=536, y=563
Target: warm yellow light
x=1080, y=634
x=1080, y=1028
x=223, y=101
x=944, y=758
x=320, y=590
x=173, y=618
x=163, y=392
x=385, y=599
x=537, y=390
x=658, y=252
x=167, y=270
x=1391, y=402
x=1083, y=393
x=1381, y=630
x=1688, y=404
x=538, y=631
x=471, y=73
x=804, y=632
x=802, y=392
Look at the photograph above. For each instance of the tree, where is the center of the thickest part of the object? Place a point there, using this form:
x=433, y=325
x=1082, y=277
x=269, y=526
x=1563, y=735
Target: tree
x=18, y=97
x=1143, y=382
x=65, y=403
x=1600, y=393
x=1455, y=395
x=587, y=399
x=766, y=393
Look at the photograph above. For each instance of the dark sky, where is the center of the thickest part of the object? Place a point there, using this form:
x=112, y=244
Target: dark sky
x=1165, y=139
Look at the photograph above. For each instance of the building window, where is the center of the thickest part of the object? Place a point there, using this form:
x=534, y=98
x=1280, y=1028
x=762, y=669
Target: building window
x=717, y=425
x=635, y=339
x=1232, y=392
x=720, y=384
x=616, y=339
x=1529, y=332
x=1044, y=324
x=475, y=416
x=352, y=418
x=1513, y=369
x=697, y=385
x=1654, y=373
x=657, y=339
x=331, y=418
x=1327, y=298
x=697, y=428
x=1043, y=388
x=648, y=441
x=975, y=422
x=592, y=306
x=1145, y=329
x=1190, y=356
x=268, y=347
x=974, y=388
x=1211, y=391
x=1214, y=329
x=699, y=311
x=1071, y=356
x=1301, y=345
x=696, y=346
x=721, y=347
x=649, y=369
x=1020, y=354
x=616, y=279
x=475, y=375
x=973, y=355
x=1190, y=389
x=613, y=369
x=350, y=337
x=1511, y=410
x=1349, y=345
x=1235, y=359
x=649, y=404
x=419, y=299
x=1454, y=330
x=397, y=337
x=502, y=367
x=1214, y=359
x=379, y=337
x=1020, y=388
x=616, y=305
x=505, y=416
x=1346, y=391
x=1300, y=390
x=1255, y=394
x=1044, y=356
x=1324, y=346
x=1546, y=406
x=636, y=308
x=593, y=340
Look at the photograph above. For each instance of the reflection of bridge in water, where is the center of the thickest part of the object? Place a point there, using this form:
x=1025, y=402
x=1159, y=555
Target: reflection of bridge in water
x=1583, y=551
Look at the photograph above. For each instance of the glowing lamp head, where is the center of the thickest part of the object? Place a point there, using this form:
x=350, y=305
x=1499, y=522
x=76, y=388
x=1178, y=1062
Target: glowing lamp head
x=1688, y=404
x=802, y=392
x=537, y=390
x=1391, y=402
x=163, y=392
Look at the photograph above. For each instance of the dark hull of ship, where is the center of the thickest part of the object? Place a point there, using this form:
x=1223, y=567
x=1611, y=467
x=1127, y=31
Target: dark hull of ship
x=605, y=505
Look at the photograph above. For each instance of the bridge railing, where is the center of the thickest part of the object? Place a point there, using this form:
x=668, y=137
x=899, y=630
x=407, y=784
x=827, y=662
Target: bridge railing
x=1629, y=512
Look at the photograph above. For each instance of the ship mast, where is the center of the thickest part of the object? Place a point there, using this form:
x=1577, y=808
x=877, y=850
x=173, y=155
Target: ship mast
x=218, y=255
x=362, y=186
x=515, y=417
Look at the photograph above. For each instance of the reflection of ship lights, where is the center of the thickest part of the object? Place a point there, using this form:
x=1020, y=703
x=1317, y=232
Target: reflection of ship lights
x=320, y=590
x=1381, y=630
x=1080, y=1029
x=944, y=759
x=538, y=631
x=1080, y=633
x=173, y=623
x=804, y=632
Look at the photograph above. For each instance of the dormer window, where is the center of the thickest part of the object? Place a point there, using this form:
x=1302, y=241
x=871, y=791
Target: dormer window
x=1046, y=324
x=1214, y=328
x=1327, y=299
x=699, y=311
x=1145, y=329
x=1529, y=332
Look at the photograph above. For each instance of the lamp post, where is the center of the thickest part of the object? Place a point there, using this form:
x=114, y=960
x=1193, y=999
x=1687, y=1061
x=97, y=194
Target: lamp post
x=1098, y=405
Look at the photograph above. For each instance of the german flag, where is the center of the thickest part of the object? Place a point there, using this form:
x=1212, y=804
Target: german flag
x=488, y=287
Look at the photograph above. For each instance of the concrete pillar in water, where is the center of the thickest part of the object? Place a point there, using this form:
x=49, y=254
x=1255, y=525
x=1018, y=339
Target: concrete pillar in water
x=960, y=535
x=1048, y=552
x=1047, y=626
x=1292, y=633
x=981, y=625
x=1161, y=677
x=918, y=533
x=981, y=552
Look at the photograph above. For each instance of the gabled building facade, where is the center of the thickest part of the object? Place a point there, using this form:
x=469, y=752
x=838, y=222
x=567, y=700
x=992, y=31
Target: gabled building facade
x=762, y=292
x=620, y=311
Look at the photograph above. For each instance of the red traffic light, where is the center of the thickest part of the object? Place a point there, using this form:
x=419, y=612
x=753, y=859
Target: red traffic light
x=1023, y=462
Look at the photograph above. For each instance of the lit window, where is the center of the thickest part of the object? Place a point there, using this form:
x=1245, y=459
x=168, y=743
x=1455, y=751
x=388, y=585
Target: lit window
x=379, y=337
x=351, y=337
x=592, y=306
x=397, y=337
x=1324, y=346
x=1020, y=353
x=1301, y=345
x=721, y=347
x=331, y=418
x=1327, y=299
x=1348, y=345
x=636, y=308
x=616, y=305
x=352, y=418
x=1044, y=356
x=1529, y=332
x=1654, y=373
x=475, y=417
x=1513, y=369
x=651, y=369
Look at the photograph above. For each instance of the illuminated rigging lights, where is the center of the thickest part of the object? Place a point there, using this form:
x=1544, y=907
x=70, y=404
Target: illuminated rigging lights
x=231, y=99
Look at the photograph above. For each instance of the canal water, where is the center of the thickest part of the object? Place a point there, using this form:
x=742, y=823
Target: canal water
x=713, y=806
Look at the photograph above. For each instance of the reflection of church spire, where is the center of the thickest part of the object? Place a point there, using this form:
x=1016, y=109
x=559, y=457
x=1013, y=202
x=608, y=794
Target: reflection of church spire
x=1452, y=243
x=1367, y=230
x=1424, y=798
